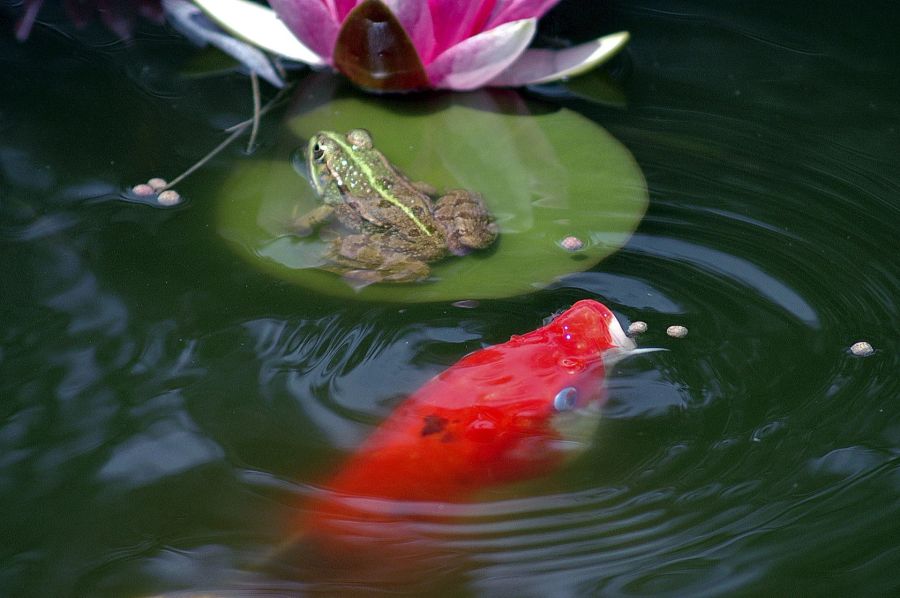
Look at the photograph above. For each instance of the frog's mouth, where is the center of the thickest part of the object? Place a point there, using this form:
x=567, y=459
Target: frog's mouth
x=303, y=166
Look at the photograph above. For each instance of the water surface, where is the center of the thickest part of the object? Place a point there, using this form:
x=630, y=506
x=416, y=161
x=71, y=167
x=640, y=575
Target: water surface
x=166, y=406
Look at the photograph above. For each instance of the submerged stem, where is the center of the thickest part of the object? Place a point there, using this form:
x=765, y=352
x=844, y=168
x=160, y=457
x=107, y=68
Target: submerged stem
x=235, y=130
x=254, y=85
x=205, y=158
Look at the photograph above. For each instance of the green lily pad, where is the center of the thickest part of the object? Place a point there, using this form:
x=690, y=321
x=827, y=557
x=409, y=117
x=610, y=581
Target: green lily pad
x=545, y=174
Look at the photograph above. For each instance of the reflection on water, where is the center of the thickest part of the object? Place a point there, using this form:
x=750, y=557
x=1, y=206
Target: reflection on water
x=165, y=409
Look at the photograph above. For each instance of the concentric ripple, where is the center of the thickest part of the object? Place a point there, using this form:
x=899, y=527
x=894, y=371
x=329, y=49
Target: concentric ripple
x=167, y=412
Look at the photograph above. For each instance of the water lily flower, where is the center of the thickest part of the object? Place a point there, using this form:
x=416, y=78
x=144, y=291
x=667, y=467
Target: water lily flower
x=397, y=45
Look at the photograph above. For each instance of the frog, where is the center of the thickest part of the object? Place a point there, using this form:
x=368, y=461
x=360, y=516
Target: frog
x=386, y=228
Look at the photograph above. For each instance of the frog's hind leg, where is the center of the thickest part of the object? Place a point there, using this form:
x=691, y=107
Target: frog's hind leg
x=467, y=222
x=362, y=260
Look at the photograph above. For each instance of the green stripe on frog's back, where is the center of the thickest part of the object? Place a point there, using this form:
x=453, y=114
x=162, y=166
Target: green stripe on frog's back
x=378, y=187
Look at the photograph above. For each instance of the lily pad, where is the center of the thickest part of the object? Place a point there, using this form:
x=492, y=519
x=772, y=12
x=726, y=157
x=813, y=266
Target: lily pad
x=545, y=174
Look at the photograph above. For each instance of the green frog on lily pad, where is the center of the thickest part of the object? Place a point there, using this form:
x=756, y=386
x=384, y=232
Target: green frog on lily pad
x=388, y=228
x=535, y=177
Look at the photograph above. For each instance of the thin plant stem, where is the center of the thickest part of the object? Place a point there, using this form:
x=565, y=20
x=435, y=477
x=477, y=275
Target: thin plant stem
x=249, y=121
x=235, y=130
x=254, y=84
x=228, y=140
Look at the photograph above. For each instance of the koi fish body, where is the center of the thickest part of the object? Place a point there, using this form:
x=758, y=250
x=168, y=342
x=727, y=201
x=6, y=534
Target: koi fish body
x=502, y=414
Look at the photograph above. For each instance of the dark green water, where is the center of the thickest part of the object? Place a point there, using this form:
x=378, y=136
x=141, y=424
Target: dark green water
x=164, y=406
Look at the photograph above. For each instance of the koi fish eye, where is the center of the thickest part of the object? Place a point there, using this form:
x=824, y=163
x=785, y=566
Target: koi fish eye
x=565, y=399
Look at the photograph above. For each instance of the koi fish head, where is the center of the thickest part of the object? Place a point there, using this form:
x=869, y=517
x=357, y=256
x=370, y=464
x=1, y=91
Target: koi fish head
x=589, y=338
x=586, y=330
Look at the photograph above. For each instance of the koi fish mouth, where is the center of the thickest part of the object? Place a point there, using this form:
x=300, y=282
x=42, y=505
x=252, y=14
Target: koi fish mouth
x=623, y=345
x=620, y=339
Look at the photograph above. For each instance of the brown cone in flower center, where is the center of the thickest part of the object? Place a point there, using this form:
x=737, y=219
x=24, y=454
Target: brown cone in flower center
x=374, y=51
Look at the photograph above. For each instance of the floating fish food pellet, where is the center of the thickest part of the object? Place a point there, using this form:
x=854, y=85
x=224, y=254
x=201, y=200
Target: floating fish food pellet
x=143, y=190
x=571, y=243
x=169, y=198
x=637, y=328
x=677, y=331
x=157, y=183
x=861, y=349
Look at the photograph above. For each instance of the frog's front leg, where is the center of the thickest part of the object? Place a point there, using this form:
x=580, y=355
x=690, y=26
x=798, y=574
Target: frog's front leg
x=304, y=224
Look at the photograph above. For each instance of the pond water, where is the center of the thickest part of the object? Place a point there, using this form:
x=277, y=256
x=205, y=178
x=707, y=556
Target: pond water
x=166, y=405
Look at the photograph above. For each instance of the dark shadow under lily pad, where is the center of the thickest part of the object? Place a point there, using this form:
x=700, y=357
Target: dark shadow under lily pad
x=545, y=176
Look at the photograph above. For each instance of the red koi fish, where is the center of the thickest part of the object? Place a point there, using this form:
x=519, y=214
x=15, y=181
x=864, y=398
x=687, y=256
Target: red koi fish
x=502, y=414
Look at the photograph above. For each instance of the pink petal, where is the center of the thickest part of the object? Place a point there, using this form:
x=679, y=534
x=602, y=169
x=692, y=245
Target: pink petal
x=416, y=20
x=542, y=66
x=117, y=18
x=152, y=12
x=454, y=21
x=77, y=11
x=473, y=62
x=249, y=21
x=514, y=10
x=341, y=8
x=314, y=23
x=23, y=27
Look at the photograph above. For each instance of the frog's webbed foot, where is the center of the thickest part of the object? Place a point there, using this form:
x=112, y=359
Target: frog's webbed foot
x=467, y=222
x=363, y=278
x=362, y=261
x=398, y=272
x=304, y=224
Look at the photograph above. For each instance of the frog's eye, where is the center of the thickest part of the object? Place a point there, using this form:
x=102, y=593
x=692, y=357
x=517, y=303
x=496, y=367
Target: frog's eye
x=318, y=153
x=566, y=399
x=360, y=139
